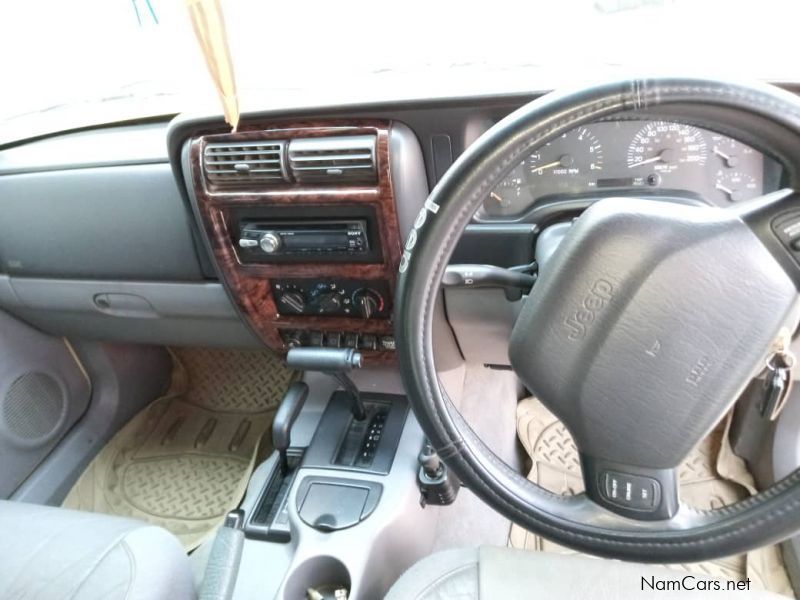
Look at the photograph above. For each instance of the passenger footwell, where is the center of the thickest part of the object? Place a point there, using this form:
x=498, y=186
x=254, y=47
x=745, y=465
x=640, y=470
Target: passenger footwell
x=184, y=461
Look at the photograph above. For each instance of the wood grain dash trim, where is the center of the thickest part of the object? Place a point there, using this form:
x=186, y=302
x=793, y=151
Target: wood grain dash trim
x=250, y=284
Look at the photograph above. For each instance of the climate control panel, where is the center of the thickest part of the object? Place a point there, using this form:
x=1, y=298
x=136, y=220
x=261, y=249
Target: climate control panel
x=333, y=297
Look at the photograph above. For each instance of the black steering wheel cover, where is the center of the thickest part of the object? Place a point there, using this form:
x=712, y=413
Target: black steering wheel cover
x=575, y=522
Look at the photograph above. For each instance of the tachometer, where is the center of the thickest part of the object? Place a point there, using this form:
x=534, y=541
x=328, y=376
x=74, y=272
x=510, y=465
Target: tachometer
x=663, y=147
x=574, y=153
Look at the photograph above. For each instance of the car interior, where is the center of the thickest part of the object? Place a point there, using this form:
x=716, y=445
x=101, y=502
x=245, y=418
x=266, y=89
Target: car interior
x=531, y=342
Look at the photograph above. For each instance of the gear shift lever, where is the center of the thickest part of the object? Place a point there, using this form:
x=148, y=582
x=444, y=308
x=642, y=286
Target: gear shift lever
x=335, y=362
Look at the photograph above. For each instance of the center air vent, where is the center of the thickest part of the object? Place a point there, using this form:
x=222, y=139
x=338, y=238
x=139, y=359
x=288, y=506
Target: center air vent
x=349, y=159
x=231, y=164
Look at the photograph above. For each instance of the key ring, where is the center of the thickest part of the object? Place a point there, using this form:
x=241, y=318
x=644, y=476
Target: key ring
x=787, y=358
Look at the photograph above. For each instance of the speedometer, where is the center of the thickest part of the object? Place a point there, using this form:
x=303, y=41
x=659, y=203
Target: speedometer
x=663, y=147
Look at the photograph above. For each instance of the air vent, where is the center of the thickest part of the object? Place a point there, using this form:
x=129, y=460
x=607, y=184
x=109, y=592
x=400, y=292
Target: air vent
x=348, y=159
x=229, y=164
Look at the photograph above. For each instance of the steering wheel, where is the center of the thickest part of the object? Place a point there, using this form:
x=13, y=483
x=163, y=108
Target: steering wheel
x=648, y=322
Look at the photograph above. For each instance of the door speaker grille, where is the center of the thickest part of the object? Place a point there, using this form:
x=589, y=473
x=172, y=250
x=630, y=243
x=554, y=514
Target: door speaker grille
x=34, y=407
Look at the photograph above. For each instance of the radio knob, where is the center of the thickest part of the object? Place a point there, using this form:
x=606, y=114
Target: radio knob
x=293, y=301
x=367, y=302
x=328, y=303
x=270, y=242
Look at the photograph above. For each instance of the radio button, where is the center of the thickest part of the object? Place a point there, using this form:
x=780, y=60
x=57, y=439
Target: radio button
x=270, y=242
x=247, y=243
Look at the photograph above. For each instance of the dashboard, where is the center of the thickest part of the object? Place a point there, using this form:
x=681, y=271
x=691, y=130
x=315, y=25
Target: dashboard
x=651, y=158
x=242, y=240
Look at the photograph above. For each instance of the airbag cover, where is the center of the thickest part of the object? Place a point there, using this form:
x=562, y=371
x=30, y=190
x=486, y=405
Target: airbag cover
x=646, y=324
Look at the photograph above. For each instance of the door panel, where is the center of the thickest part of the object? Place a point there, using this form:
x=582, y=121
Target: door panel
x=43, y=392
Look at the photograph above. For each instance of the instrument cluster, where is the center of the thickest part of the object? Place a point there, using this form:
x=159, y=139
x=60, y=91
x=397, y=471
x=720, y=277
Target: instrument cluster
x=649, y=158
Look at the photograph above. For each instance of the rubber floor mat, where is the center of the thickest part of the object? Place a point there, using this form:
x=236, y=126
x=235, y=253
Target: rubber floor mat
x=710, y=477
x=185, y=460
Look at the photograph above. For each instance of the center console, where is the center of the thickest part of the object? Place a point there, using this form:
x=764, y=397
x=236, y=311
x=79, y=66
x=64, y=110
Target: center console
x=345, y=511
x=301, y=221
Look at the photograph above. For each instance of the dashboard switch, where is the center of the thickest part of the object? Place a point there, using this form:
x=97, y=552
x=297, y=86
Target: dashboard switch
x=787, y=228
x=368, y=342
x=294, y=339
x=315, y=338
x=630, y=491
x=351, y=340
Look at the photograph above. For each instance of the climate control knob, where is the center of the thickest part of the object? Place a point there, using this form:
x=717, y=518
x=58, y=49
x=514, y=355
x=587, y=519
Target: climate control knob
x=367, y=302
x=292, y=301
x=270, y=242
x=329, y=302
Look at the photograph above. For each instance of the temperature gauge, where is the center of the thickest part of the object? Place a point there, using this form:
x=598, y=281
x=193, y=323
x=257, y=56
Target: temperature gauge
x=736, y=186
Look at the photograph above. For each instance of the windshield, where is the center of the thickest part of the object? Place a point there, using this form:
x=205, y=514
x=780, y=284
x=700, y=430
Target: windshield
x=72, y=64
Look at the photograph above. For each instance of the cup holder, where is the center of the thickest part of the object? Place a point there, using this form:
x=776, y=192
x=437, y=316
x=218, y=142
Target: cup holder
x=324, y=574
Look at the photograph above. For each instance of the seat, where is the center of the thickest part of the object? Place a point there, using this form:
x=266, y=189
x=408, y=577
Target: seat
x=493, y=572
x=54, y=553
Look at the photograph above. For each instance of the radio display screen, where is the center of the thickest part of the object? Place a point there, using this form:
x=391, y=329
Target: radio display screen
x=316, y=239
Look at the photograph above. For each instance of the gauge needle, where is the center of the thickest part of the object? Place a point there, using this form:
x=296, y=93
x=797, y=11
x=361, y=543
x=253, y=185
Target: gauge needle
x=729, y=160
x=720, y=153
x=733, y=195
x=722, y=188
x=496, y=196
x=549, y=165
x=663, y=156
x=564, y=161
x=645, y=162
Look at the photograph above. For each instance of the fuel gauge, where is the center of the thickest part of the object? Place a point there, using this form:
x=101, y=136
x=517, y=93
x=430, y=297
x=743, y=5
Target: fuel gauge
x=509, y=196
x=736, y=186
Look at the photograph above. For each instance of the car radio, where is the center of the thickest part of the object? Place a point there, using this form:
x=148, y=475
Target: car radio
x=312, y=240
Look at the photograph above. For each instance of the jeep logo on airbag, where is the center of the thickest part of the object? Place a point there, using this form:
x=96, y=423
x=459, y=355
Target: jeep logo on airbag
x=578, y=322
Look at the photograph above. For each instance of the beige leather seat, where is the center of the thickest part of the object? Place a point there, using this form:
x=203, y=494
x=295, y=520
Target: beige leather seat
x=487, y=572
x=54, y=553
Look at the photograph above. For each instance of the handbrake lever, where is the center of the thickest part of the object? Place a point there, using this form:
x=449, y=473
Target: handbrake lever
x=287, y=413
